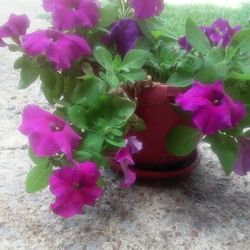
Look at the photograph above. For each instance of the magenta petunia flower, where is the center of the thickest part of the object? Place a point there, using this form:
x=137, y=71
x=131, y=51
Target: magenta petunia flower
x=74, y=187
x=15, y=27
x=69, y=14
x=145, y=9
x=212, y=108
x=124, y=157
x=62, y=49
x=242, y=165
x=48, y=134
x=124, y=34
x=220, y=33
x=183, y=42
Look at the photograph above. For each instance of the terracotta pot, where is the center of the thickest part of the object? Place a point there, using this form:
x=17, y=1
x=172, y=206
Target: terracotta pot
x=155, y=107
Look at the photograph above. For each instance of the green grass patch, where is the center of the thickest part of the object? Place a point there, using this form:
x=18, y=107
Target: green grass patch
x=175, y=16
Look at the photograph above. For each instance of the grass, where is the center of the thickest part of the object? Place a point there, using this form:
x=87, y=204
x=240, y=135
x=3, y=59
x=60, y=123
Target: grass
x=175, y=16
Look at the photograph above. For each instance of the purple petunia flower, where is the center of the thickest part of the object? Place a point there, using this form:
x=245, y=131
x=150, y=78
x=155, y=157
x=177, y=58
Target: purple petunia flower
x=69, y=14
x=124, y=157
x=242, y=165
x=220, y=33
x=75, y=187
x=145, y=9
x=48, y=134
x=183, y=42
x=62, y=49
x=124, y=34
x=15, y=27
x=212, y=108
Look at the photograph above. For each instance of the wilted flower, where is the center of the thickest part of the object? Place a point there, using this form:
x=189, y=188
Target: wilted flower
x=242, y=165
x=48, y=134
x=212, y=108
x=145, y=9
x=62, y=49
x=124, y=157
x=74, y=187
x=15, y=27
x=124, y=34
x=69, y=14
x=220, y=33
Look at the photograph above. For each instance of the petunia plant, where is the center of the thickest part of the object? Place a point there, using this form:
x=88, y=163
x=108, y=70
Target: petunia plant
x=90, y=58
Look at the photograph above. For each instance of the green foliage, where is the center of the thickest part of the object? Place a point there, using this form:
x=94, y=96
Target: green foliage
x=196, y=37
x=52, y=85
x=29, y=71
x=226, y=148
x=118, y=71
x=182, y=140
x=38, y=178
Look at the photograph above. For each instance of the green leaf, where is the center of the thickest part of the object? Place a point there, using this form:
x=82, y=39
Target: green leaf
x=116, y=141
x=180, y=79
x=52, y=85
x=134, y=76
x=109, y=13
x=39, y=161
x=239, y=76
x=212, y=73
x=225, y=147
x=103, y=57
x=29, y=71
x=134, y=59
x=87, y=91
x=196, y=37
x=112, y=79
x=214, y=56
x=38, y=178
x=182, y=140
x=241, y=40
x=77, y=115
x=92, y=142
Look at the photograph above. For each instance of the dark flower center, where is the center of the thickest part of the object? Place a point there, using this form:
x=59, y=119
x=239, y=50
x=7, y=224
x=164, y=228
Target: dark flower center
x=216, y=98
x=56, y=126
x=78, y=185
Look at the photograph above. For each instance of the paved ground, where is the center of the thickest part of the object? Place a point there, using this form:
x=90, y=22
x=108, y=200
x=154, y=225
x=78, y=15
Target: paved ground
x=204, y=211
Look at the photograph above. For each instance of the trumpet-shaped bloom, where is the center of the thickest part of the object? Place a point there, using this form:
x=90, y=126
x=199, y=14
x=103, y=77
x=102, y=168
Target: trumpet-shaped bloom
x=242, y=165
x=15, y=27
x=125, y=158
x=212, y=108
x=61, y=49
x=124, y=34
x=48, y=134
x=145, y=9
x=69, y=14
x=74, y=187
x=220, y=33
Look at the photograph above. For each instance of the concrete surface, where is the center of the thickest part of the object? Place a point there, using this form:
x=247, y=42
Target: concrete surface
x=203, y=211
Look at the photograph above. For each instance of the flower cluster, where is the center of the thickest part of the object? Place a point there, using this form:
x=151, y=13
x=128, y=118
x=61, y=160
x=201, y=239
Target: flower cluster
x=89, y=64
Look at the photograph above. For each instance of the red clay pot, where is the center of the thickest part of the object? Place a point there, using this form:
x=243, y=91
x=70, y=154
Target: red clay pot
x=155, y=107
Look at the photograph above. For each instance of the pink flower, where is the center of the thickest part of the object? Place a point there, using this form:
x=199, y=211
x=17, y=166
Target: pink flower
x=62, y=49
x=124, y=157
x=242, y=165
x=212, y=108
x=74, y=187
x=145, y=9
x=15, y=27
x=69, y=14
x=48, y=134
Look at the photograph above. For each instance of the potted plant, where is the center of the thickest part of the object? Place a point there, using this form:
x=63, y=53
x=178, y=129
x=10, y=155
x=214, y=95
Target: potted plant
x=124, y=92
